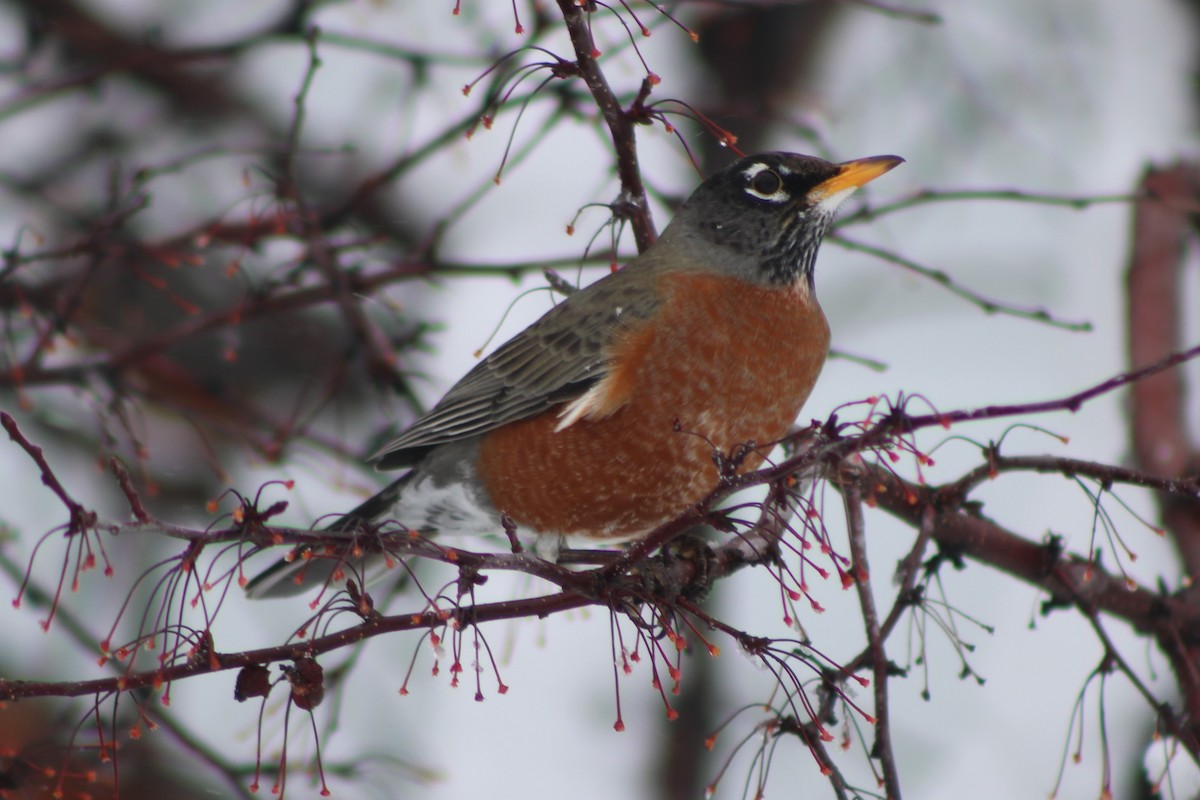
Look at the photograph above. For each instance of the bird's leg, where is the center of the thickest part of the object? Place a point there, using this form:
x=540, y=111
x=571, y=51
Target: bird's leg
x=510, y=530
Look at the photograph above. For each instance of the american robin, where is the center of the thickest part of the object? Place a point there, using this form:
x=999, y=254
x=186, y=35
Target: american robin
x=602, y=418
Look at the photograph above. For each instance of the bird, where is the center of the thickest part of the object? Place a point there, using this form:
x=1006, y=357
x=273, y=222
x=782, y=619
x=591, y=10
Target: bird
x=601, y=419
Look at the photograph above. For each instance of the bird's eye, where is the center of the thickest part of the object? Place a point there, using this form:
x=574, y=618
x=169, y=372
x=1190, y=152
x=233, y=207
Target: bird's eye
x=766, y=182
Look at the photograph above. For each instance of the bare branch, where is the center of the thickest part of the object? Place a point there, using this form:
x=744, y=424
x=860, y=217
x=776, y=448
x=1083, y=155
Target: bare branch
x=635, y=208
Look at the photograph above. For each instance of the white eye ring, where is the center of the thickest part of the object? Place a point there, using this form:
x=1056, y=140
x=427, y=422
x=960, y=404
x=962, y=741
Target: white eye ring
x=778, y=195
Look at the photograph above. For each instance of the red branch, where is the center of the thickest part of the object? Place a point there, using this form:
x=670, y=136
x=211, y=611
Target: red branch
x=1161, y=441
x=1162, y=444
x=370, y=628
x=1070, y=580
x=80, y=517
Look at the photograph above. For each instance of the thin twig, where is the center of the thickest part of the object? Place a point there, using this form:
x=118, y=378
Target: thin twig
x=944, y=280
x=1069, y=468
x=861, y=570
x=927, y=196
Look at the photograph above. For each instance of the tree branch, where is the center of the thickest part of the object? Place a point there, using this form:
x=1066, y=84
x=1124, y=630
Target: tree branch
x=634, y=206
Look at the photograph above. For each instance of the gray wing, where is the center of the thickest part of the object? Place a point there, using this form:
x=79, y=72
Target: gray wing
x=554, y=360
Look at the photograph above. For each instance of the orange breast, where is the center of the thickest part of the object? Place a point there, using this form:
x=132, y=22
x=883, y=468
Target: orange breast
x=723, y=363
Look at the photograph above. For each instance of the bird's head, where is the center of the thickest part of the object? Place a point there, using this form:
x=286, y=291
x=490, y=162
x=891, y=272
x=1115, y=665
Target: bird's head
x=763, y=217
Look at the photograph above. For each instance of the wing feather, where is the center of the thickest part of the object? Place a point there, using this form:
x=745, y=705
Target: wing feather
x=555, y=360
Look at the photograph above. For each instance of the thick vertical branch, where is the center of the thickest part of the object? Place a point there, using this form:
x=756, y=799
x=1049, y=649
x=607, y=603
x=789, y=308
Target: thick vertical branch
x=1161, y=441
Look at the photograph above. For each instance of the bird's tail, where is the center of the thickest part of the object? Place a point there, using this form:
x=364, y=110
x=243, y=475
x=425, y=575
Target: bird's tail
x=285, y=578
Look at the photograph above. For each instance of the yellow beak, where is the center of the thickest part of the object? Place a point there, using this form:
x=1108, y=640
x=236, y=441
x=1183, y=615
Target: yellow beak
x=853, y=174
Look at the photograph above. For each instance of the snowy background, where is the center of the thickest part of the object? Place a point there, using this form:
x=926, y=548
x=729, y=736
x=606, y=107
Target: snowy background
x=1073, y=98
